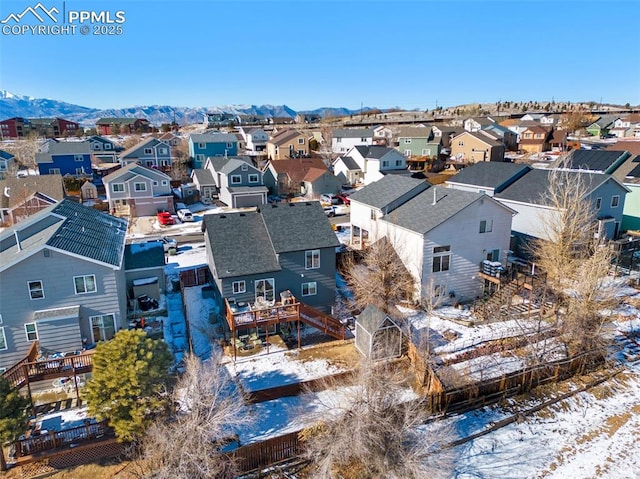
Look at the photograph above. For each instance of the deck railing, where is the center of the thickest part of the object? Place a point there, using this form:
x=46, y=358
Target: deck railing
x=56, y=439
x=263, y=316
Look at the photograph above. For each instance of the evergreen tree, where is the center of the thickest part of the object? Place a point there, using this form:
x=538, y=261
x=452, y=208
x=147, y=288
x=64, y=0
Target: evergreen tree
x=128, y=383
x=14, y=415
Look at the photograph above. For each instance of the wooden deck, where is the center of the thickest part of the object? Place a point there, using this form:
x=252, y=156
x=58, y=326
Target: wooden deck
x=29, y=370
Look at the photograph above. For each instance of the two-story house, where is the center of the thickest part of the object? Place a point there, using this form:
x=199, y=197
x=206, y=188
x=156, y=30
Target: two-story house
x=626, y=126
x=23, y=197
x=373, y=162
x=440, y=234
x=418, y=141
x=288, y=144
x=136, y=190
x=211, y=144
x=535, y=139
x=601, y=126
x=124, y=126
x=308, y=176
x=152, y=153
x=344, y=139
x=473, y=147
x=477, y=123
x=104, y=150
x=258, y=255
x=255, y=138
x=64, y=158
x=525, y=191
x=63, y=281
x=238, y=182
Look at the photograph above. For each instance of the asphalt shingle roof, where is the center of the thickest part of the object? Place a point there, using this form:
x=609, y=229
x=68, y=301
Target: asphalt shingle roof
x=298, y=226
x=14, y=191
x=350, y=163
x=353, y=133
x=419, y=214
x=203, y=176
x=491, y=174
x=371, y=318
x=71, y=227
x=387, y=190
x=240, y=244
x=592, y=160
x=533, y=186
x=213, y=138
x=62, y=148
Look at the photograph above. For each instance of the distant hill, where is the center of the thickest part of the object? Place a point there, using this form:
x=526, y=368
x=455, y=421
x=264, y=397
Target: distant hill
x=25, y=106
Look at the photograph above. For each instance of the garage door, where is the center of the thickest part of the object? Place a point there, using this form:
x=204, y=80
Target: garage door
x=247, y=200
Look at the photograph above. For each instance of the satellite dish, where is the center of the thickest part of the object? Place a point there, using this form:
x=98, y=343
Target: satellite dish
x=6, y=191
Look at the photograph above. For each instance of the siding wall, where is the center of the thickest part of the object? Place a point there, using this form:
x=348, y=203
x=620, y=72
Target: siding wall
x=56, y=273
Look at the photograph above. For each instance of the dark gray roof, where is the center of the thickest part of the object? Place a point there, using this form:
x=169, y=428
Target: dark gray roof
x=605, y=120
x=213, y=138
x=240, y=244
x=350, y=163
x=376, y=152
x=15, y=191
x=490, y=174
x=533, y=186
x=353, y=133
x=371, y=318
x=387, y=190
x=298, y=226
x=204, y=177
x=144, y=255
x=415, y=132
x=419, y=214
x=70, y=227
x=5, y=155
x=592, y=160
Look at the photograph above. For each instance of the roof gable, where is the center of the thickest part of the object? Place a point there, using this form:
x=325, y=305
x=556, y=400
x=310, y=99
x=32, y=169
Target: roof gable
x=380, y=194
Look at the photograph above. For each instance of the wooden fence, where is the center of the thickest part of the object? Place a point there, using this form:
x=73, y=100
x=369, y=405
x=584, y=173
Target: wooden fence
x=194, y=277
x=266, y=453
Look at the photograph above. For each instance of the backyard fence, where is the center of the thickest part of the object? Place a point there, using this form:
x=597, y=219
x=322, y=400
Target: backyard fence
x=194, y=277
x=266, y=453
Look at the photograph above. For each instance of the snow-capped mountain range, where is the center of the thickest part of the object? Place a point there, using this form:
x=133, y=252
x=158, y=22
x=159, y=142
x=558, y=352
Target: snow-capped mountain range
x=12, y=105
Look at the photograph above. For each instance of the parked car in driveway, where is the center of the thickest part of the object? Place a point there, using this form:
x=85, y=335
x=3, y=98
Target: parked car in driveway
x=330, y=211
x=168, y=243
x=165, y=218
x=185, y=215
x=344, y=197
x=329, y=199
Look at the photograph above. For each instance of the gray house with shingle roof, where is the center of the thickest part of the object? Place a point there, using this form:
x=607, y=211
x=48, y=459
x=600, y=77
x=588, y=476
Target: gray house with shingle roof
x=63, y=281
x=280, y=247
x=487, y=177
x=238, y=182
x=442, y=235
x=22, y=197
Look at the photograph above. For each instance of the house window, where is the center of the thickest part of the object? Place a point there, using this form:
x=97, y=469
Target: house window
x=407, y=141
x=149, y=163
x=117, y=187
x=164, y=162
x=155, y=183
x=54, y=171
x=441, y=258
x=148, y=151
x=301, y=152
x=253, y=178
x=103, y=327
x=236, y=179
x=300, y=141
x=598, y=203
x=312, y=259
x=165, y=182
x=201, y=145
x=338, y=140
x=615, y=200
x=31, y=331
x=245, y=167
x=309, y=289
x=162, y=151
x=373, y=215
x=85, y=284
x=36, y=291
x=200, y=158
x=3, y=340
x=486, y=226
x=363, y=140
x=265, y=288
x=399, y=162
x=407, y=152
x=78, y=158
x=80, y=171
x=140, y=187
x=238, y=287
x=385, y=163
x=460, y=143
x=107, y=146
x=424, y=152
x=229, y=145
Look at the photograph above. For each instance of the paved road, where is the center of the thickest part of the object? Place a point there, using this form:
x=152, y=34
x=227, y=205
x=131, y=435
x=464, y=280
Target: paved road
x=337, y=220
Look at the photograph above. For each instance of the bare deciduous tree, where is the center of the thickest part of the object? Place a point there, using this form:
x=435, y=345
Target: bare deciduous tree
x=24, y=150
x=375, y=431
x=576, y=258
x=380, y=279
x=188, y=444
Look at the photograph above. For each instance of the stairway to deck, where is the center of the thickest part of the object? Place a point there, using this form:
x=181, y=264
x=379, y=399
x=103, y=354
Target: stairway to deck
x=322, y=321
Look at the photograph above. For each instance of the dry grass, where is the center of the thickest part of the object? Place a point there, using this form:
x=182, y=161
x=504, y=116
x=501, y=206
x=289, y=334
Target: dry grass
x=340, y=354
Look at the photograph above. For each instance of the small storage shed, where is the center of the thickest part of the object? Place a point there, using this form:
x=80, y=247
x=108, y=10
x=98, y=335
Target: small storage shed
x=377, y=335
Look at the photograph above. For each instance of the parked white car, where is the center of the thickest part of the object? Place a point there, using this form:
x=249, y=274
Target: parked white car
x=168, y=243
x=185, y=215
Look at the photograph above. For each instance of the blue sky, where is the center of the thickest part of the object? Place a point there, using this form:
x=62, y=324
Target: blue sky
x=308, y=54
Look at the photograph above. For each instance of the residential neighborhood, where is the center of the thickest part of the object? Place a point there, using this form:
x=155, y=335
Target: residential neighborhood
x=264, y=242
